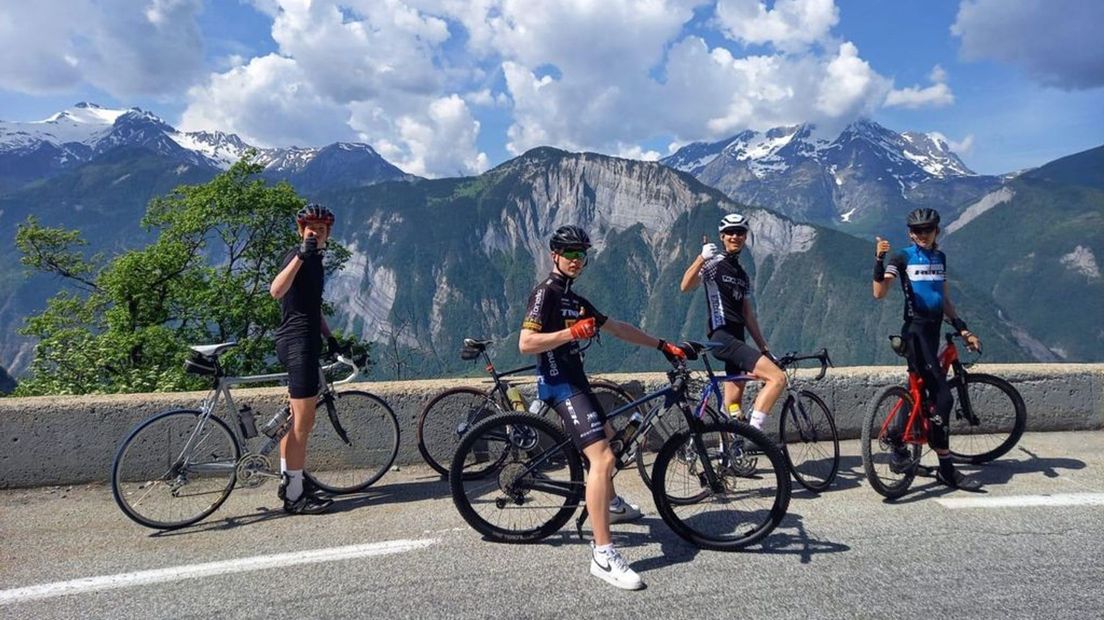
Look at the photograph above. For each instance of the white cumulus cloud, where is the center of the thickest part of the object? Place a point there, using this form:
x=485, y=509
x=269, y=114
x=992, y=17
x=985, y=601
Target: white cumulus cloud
x=936, y=95
x=124, y=47
x=791, y=25
x=1056, y=42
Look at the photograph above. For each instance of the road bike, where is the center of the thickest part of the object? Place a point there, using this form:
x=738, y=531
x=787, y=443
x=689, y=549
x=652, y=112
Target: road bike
x=177, y=467
x=987, y=420
x=517, y=478
x=448, y=415
x=806, y=428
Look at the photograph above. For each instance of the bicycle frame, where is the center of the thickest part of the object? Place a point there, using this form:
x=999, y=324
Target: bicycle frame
x=917, y=426
x=221, y=391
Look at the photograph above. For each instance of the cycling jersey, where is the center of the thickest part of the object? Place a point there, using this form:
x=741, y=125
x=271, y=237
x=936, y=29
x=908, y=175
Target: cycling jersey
x=726, y=286
x=554, y=306
x=301, y=307
x=922, y=274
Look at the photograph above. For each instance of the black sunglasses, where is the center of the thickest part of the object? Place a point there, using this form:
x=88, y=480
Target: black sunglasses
x=922, y=230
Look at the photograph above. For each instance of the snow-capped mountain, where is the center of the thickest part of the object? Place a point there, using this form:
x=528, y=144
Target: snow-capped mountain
x=856, y=176
x=36, y=149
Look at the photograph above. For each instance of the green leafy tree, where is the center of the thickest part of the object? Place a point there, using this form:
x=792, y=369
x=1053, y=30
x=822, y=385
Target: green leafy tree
x=127, y=323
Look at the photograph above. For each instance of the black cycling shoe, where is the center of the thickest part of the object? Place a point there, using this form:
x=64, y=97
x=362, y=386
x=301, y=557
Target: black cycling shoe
x=900, y=460
x=311, y=502
x=958, y=480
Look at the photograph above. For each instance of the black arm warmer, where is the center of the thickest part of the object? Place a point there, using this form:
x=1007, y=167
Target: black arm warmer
x=879, y=270
x=959, y=325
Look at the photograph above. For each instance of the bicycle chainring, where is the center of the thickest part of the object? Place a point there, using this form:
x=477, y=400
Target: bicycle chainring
x=253, y=469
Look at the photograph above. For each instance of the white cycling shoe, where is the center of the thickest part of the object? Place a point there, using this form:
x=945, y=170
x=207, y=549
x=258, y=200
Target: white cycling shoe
x=610, y=567
x=621, y=510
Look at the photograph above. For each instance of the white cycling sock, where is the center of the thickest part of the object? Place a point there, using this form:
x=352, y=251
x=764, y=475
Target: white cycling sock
x=758, y=418
x=283, y=465
x=603, y=548
x=295, y=484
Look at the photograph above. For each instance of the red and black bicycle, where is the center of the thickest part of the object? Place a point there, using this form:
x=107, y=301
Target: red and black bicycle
x=987, y=420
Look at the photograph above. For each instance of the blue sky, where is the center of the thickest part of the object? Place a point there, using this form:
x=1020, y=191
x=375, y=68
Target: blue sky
x=445, y=87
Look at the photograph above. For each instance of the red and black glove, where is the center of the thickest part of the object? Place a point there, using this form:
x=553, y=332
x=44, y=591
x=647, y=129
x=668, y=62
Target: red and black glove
x=586, y=328
x=672, y=352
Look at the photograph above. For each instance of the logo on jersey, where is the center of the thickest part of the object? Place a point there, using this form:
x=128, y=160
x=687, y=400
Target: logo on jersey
x=934, y=272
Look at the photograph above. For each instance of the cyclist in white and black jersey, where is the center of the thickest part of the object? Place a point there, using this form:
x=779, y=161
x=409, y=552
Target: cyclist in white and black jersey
x=731, y=314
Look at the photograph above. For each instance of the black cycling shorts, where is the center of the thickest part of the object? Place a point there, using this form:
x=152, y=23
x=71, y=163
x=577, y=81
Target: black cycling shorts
x=737, y=355
x=301, y=363
x=583, y=418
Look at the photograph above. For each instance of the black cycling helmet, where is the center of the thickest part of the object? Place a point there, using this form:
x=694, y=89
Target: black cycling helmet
x=314, y=213
x=569, y=238
x=923, y=217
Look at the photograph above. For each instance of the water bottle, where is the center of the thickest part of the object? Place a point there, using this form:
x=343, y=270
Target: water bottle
x=629, y=432
x=517, y=403
x=621, y=443
x=247, y=422
x=278, y=426
x=735, y=412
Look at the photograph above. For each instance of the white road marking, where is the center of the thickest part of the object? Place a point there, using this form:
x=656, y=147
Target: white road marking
x=208, y=569
x=1020, y=501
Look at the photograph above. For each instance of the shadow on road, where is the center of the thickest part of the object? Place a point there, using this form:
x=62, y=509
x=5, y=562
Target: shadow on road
x=995, y=473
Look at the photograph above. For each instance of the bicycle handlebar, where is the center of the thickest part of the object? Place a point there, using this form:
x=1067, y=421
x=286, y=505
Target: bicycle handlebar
x=343, y=361
x=821, y=356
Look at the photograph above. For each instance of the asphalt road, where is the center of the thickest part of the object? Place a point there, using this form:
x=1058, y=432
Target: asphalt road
x=404, y=551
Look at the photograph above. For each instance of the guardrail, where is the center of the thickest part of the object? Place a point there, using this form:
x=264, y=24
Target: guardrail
x=72, y=439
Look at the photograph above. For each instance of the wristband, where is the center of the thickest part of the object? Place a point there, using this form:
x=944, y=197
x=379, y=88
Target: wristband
x=879, y=271
x=659, y=347
x=959, y=325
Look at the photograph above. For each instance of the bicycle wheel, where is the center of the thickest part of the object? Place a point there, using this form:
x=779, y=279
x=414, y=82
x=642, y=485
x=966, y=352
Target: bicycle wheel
x=993, y=422
x=668, y=424
x=809, y=441
x=158, y=485
x=373, y=433
x=446, y=418
x=749, y=500
x=878, y=445
x=516, y=478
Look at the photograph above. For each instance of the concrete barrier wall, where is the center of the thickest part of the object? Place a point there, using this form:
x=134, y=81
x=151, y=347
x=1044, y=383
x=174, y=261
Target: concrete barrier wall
x=66, y=440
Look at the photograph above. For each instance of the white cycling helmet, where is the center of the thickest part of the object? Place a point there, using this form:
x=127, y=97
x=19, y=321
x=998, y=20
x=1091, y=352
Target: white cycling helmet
x=732, y=220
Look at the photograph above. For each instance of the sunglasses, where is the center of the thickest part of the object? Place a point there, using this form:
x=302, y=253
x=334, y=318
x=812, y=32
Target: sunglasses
x=922, y=230
x=735, y=232
x=573, y=254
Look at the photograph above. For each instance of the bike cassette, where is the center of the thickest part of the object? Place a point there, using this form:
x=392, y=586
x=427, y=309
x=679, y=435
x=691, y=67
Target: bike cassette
x=253, y=470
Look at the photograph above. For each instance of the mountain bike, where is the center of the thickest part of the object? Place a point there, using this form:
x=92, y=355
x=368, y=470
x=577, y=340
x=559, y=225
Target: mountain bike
x=988, y=419
x=177, y=467
x=447, y=416
x=517, y=478
x=806, y=428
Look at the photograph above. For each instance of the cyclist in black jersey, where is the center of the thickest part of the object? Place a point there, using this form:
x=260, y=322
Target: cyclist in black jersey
x=556, y=320
x=299, y=286
x=731, y=314
x=921, y=268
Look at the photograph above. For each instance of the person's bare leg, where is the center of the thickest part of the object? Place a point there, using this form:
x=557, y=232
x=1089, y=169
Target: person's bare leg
x=774, y=382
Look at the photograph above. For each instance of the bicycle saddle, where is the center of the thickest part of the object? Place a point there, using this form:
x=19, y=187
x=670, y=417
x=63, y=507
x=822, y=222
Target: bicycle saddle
x=213, y=350
x=708, y=345
x=479, y=345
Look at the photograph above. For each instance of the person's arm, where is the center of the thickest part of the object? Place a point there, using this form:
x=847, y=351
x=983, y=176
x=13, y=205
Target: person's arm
x=691, y=279
x=753, y=326
x=630, y=333
x=532, y=342
x=882, y=278
x=972, y=341
x=283, y=281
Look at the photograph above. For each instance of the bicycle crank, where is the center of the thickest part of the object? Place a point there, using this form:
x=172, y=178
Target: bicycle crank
x=253, y=469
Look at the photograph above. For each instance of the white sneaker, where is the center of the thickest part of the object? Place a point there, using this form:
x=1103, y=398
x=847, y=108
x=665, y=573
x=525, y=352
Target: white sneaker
x=620, y=510
x=610, y=567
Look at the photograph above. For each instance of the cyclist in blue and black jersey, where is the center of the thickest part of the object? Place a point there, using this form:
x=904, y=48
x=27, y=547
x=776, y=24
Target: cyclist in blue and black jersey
x=556, y=320
x=922, y=270
x=730, y=313
x=299, y=287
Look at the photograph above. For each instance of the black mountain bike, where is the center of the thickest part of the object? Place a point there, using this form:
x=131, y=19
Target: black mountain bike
x=517, y=478
x=448, y=416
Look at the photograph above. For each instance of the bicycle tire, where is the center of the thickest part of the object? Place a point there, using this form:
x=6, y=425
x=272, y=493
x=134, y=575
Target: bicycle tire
x=148, y=459
x=515, y=443
x=446, y=418
x=813, y=465
x=987, y=440
x=763, y=491
x=876, y=449
x=373, y=433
